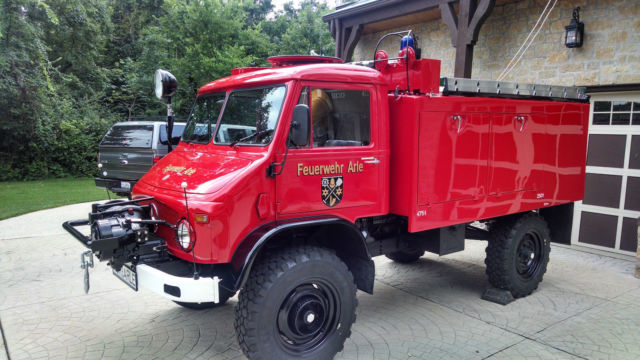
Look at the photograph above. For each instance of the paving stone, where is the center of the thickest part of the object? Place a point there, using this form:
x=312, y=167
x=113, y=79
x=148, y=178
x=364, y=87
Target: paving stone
x=402, y=324
x=458, y=284
x=3, y=350
x=531, y=350
x=631, y=297
x=608, y=331
x=587, y=306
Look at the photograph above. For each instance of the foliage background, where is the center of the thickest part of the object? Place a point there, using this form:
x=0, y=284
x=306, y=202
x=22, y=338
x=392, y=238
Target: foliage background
x=69, y=69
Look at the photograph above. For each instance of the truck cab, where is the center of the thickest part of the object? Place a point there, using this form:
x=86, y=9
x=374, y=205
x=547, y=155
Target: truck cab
x=289, y=179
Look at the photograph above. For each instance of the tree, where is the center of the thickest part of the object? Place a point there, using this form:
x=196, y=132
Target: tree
x=71, y=68
x=25, y=81
x=304, y=30
x=198, y=42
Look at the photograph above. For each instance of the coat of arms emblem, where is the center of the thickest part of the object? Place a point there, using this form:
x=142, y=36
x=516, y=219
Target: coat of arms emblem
x=331, y=190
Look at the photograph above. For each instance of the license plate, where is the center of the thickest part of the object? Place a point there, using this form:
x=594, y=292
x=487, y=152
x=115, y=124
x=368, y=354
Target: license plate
x=128, y=276
x=125, y=185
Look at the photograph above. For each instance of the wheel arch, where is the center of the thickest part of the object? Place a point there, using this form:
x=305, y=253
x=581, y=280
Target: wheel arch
x=333, y=233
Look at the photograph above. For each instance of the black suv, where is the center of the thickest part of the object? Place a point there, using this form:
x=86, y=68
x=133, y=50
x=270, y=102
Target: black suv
x=130, y=149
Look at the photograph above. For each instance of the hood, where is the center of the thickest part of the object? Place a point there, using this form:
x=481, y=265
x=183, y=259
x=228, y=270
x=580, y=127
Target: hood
x=204, y=172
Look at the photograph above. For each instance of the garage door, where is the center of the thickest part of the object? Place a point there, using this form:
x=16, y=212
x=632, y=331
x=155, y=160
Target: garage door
x=607, y=218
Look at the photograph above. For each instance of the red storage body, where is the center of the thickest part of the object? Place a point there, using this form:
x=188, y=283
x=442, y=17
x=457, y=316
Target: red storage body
x=458, y=159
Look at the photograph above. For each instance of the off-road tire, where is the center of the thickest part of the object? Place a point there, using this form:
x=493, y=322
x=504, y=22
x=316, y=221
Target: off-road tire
x=405, y=256
x=204, y=305
x=270, y=293
x=512, y=242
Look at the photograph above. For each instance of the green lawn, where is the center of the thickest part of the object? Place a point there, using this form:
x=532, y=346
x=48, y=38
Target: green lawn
x=19, y=197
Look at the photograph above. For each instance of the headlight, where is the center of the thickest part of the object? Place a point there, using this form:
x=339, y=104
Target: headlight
x=186, y=236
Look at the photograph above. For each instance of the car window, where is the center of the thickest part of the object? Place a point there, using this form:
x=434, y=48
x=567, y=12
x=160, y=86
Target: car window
x=175, y=134
x=251, y=112
x=340, y=117
x=135, y=136
x=203, y=118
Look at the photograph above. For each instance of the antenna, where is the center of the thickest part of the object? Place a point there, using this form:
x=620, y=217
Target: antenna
x=196, y=276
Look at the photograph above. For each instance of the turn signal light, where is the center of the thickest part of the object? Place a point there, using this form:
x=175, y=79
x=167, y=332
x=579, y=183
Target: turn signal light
x=201, y=218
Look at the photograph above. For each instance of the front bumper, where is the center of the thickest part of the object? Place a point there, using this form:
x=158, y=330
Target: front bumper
x=154, y=269
x=178, y=288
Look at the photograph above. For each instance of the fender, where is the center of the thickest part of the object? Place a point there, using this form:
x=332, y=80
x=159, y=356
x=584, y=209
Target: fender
x=354, y=253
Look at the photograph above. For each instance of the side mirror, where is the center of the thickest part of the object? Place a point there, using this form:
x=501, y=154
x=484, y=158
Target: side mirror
x=165, y=84
x=300, y=123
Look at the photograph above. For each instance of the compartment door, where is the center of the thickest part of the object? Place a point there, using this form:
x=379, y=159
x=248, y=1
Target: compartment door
x=453, y=156
x=513, y=156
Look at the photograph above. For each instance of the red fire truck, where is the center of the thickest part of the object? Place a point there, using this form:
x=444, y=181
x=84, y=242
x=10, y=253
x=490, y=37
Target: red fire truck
x=289, y=179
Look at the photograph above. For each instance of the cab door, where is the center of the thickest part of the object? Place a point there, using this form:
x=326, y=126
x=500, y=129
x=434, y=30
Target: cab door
x=341, y=168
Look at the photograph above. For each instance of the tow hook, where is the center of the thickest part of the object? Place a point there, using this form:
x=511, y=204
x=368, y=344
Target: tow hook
x=86, y=262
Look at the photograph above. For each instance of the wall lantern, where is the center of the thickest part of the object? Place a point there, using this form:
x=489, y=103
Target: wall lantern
x=574, y=32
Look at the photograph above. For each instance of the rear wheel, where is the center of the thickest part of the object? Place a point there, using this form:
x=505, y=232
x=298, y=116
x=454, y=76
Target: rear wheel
x=518, y=254
x=405, y=256
x=297, y=304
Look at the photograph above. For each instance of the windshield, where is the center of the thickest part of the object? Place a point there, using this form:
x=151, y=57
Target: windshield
x=203, y=118
x=249, y=112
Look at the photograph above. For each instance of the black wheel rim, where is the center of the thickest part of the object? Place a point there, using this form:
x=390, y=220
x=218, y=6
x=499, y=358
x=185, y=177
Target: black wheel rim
x=307, y=316
x=529, y=255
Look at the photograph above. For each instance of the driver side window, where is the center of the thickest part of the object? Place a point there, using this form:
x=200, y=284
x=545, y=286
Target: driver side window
x=340, y=117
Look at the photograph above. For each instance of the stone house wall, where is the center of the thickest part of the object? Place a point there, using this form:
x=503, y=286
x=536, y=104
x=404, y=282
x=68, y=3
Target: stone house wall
x=610, y=54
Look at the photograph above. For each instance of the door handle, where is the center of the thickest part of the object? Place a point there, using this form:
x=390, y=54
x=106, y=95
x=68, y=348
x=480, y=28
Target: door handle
x=458, y=119
x=370, y=160
x=521, y=120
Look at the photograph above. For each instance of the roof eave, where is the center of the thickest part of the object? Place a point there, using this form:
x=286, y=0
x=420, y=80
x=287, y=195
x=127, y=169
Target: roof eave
x=357, y=9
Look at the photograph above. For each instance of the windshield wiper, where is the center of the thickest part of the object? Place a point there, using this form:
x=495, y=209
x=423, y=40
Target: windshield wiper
x=249, y=137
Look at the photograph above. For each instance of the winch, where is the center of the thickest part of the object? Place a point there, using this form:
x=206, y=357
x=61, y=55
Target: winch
x=120, y=232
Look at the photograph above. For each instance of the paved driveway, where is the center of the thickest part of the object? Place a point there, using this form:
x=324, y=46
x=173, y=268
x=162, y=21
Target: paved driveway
x=587, y=307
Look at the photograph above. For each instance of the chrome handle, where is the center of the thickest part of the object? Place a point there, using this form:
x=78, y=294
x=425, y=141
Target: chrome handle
x=521, y=119
x=458, y=118
x=370, y=160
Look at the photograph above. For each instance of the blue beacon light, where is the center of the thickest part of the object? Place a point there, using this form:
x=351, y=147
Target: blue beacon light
x=407, y=40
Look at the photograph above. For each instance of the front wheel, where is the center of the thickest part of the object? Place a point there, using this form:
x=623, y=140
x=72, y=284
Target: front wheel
x=518, y=254
x=297, y=304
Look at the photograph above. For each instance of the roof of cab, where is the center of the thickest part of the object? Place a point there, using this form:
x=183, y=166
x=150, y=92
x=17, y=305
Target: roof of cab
x=319, y=72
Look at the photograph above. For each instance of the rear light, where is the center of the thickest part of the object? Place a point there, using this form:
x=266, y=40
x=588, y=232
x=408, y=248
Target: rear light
x=156, y=158
x=185, y=235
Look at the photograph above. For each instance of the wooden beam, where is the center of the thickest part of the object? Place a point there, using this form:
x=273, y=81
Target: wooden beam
x=449, y=17
x=464, y=29
x=351, y=43
x=464, y=61
x=480, y=15
x=346, y=26
x=338, y=29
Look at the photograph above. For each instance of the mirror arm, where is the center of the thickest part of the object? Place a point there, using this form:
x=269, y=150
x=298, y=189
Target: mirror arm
x=169, y=125
x=271, y=169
